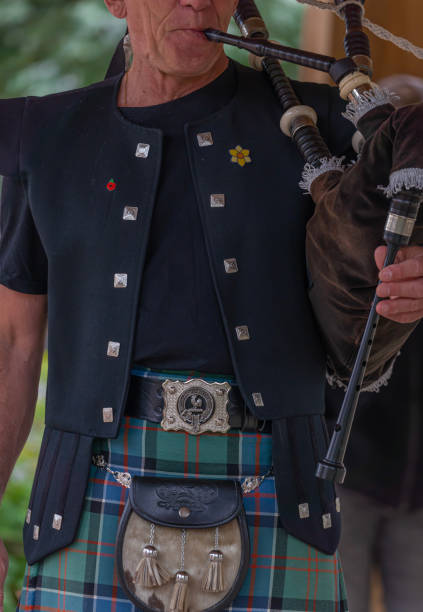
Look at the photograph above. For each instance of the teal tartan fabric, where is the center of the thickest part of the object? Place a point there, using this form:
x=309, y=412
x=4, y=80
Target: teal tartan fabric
x=284, y=574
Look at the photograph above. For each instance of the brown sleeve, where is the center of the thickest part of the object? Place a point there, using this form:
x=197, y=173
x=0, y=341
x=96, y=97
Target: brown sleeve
x=342, y=235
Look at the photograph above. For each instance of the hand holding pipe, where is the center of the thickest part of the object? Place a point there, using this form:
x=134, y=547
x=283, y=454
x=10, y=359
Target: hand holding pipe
x=398, y=230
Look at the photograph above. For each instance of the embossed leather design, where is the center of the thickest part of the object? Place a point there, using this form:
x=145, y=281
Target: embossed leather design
x=210, y=502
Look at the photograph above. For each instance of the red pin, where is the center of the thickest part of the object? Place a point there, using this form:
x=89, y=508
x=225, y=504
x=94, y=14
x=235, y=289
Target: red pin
x=111, y=185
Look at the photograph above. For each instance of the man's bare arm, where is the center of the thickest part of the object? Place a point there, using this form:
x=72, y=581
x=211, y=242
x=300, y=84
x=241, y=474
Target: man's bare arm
x=22, y=331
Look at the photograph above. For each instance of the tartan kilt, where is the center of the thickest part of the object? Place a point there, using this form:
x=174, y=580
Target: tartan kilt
x=284, y=574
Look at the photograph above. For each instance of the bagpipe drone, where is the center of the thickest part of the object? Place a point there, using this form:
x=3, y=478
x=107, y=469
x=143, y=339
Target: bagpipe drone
x=393, y=147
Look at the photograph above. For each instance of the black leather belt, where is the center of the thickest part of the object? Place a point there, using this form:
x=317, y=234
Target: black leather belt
x=145, y=401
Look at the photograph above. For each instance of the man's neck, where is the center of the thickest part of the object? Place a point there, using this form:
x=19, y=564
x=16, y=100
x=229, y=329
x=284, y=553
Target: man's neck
x=144, y=86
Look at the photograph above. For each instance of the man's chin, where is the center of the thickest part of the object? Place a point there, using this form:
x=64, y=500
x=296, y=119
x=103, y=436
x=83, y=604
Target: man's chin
x=193, y=63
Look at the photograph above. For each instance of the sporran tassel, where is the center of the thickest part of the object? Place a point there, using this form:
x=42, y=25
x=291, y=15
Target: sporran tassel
x=213, y=578
x=149, y=573
x=179, y=594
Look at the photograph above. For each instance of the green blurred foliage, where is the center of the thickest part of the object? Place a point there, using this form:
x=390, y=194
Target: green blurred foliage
x=49, y=46
x=53, y=45
x=283, y=19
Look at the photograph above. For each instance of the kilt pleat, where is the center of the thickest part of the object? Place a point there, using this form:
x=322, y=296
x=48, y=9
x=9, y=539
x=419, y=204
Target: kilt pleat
x=285, y=574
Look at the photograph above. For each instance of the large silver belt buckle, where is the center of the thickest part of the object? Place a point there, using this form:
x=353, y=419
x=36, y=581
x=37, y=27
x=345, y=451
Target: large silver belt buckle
x=195, y=406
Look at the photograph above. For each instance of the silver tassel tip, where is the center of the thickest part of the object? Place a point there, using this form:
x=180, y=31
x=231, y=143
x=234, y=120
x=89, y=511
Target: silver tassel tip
x=149, y=573
x=213, y=578
x=179, y=594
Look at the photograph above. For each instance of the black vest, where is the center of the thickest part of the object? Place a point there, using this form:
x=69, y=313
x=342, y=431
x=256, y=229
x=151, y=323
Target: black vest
x=72, y=145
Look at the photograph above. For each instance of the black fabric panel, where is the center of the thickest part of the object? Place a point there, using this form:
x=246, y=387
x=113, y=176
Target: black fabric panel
x=295, y=462
x=44, y=445
x=59, y=489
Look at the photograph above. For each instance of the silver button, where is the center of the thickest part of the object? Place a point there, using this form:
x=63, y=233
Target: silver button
x=205, y=139
x=258, y=399
x=338, y=504
x=303, y=511
x=184, y=512
x=143, y=150
x=231, y=266
x=113, y=349
x=130, y=213
x=327, y=521
x=57, y=522
x=242, y=332
x=217, y=200
x=107, y=415
x=28, y=516
x=36, y=532
x=120, y=281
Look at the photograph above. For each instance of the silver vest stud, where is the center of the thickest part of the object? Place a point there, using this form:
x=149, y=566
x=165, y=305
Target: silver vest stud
x=120, y=281
x=143, y=150
x=338, y=504
x=242, y=332
x=217, y=200
x=130, y=213
x=327, y=521
x=57, y=522
x=36, y=532
x=205, y=139
x=231, y=266
x=303, y=511
x=107, y=415
x=28, y=516
x=258, y=399
x=113, y=349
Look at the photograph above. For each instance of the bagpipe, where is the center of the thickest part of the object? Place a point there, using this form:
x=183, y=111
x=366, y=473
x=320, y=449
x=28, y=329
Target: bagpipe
x=388, y=144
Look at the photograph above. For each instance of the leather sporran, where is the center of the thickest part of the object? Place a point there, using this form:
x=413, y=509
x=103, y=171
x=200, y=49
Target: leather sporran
x=183, y=544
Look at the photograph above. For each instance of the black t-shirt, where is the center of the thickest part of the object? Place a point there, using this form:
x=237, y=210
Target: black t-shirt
x=179, y=322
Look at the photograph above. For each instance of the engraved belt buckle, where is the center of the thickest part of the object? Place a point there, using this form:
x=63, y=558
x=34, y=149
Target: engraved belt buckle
x=195, y=406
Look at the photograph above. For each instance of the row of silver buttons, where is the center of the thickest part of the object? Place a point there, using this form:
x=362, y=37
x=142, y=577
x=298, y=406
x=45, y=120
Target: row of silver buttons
x=218, y=200
x=120, y=281
x=304, y=513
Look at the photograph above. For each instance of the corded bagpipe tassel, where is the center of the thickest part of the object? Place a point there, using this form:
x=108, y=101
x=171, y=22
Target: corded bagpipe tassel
x=179, y=594
x=149, y=573
x=213, y=578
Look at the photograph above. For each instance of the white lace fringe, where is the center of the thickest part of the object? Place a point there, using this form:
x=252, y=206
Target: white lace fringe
x=377, y=30
x=374, y=387
x=407, y=178
x=310, y=172
x=369, y=100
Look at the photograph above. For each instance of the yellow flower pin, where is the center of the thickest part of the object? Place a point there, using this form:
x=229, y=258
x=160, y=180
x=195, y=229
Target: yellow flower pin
x=240, y=156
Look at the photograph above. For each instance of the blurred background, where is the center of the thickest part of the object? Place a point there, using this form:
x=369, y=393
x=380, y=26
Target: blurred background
x=53, y=45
